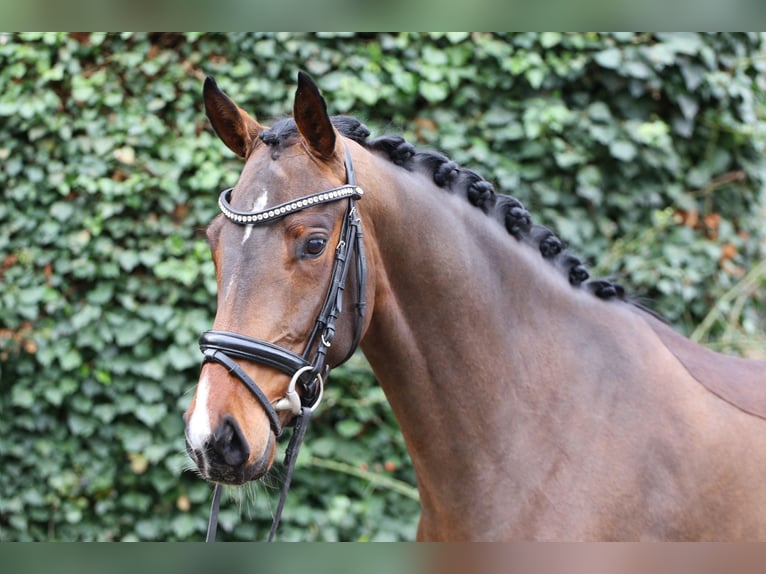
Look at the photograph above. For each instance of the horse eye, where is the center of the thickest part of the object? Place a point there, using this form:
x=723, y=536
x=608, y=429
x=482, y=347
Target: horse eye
x=315, y=246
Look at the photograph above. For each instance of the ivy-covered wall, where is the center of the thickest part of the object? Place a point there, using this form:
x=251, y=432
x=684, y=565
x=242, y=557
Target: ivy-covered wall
x=645, y=151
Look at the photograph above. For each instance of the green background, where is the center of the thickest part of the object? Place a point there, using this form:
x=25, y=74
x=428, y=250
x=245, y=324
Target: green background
x=644, y=151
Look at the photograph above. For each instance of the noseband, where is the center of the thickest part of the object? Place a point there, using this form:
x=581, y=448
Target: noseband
x=308, y=370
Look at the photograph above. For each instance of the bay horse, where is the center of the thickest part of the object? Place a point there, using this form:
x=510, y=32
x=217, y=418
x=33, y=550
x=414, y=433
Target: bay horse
x=535, y=403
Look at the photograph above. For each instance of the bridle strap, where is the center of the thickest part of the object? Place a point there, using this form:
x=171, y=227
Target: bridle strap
x=283, y=209
x=212, y=523
x=324, y=326
x=361, y=289
x=212, y=355
x=242, y=347
x=220, y=346
x=291, y=456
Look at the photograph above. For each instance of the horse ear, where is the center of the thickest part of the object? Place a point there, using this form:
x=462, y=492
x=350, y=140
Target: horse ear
x=236, y=128
x=310, y=114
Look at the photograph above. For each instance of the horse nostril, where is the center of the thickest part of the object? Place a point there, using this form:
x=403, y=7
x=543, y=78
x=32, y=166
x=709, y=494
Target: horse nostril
x=229, y=443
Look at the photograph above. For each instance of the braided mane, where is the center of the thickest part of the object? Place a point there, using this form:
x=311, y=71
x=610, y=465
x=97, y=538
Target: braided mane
x=505, y=209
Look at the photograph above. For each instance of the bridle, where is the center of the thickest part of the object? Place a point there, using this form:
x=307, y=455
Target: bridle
x=308, y=370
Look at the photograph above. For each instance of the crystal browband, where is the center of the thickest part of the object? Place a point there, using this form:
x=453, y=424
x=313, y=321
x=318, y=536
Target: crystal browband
x=252, y=217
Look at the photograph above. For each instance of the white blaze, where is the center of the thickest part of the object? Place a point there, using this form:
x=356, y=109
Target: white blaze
x=259, y=204
x=199, y=424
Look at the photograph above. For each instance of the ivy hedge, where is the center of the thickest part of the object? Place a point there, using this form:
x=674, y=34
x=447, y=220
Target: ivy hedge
x=645, y=151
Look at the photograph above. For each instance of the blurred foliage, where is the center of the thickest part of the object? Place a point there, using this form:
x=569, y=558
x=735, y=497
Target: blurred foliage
x=645, y=151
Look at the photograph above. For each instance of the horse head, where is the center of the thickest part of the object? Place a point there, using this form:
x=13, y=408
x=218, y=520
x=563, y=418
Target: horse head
x=284, y=247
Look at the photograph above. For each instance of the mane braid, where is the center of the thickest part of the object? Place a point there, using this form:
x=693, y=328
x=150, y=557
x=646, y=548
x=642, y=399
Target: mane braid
x=504, y=209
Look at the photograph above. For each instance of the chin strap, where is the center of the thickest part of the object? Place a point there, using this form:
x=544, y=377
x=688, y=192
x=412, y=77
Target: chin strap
x=291, y=456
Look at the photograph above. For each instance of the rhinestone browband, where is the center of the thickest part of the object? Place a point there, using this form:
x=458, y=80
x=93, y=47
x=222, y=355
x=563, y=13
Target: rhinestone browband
x=252, y=217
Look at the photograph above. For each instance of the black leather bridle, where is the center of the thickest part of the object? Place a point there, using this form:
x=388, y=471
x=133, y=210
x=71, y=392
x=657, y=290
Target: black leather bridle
x=309, y=370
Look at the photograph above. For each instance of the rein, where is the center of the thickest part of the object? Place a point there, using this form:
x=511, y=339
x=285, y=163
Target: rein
x=307, y=371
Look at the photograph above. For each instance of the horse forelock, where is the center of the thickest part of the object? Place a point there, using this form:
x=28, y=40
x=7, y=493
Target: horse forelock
x=503, y=208
x=284, y=131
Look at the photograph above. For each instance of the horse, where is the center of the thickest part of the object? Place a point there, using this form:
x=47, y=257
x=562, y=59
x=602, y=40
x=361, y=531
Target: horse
x=536, y=403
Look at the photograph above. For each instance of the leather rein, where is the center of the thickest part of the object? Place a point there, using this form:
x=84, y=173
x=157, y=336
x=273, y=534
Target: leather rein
x=308, y=370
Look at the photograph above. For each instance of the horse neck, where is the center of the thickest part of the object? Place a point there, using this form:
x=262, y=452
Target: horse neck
x=471, y=338
x=457, y=299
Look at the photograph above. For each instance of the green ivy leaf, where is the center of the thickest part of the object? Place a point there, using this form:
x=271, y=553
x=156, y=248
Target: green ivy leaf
x=151, y=415
x=348, y=428
x=610, y=58
x=184, y=526
x=22, y=397
x=433, y=92
x=623, y=150
x=70, y=360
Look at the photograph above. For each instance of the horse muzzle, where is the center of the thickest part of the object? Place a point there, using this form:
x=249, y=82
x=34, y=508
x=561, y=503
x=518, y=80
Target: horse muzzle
x=225, y=455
